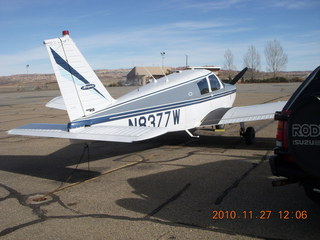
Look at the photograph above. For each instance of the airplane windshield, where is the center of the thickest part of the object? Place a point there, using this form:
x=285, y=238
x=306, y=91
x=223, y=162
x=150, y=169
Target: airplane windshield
x=214, y=83
x=203, y=86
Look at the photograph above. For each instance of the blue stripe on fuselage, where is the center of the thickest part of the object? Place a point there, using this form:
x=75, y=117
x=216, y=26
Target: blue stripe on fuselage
x=137, y=112
x=153, y=93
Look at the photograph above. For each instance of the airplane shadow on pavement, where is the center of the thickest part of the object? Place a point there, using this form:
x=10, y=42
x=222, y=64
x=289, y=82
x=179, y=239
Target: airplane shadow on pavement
x=56, y=165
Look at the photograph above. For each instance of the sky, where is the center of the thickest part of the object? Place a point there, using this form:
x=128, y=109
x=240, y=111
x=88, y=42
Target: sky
x=123, y=34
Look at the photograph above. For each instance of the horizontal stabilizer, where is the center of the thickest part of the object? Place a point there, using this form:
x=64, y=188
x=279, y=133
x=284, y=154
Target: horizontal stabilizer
x=93, y=133
x=242, y=114
x=57, y=103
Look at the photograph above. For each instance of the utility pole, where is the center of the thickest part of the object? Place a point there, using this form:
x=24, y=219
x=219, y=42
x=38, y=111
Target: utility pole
x=187, y=61
x=162, y=55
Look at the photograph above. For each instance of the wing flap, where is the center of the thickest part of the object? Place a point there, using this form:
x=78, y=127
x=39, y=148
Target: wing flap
x=242, y=114
x=93, y=133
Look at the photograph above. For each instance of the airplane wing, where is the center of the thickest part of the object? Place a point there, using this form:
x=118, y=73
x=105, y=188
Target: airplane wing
x=93, y=133
x=57, y=103
x=242, y=114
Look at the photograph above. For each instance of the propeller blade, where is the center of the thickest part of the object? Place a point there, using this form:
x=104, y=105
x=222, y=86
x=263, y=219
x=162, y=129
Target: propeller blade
x=238, y=76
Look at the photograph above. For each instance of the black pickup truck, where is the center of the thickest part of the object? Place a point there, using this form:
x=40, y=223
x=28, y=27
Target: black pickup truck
x=297, y=153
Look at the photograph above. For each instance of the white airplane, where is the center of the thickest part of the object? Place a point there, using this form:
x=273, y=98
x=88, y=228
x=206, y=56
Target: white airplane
x=178, y=102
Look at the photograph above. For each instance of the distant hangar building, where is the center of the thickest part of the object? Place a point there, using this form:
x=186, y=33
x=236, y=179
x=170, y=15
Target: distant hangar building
x=213, y=69
x=143, y=75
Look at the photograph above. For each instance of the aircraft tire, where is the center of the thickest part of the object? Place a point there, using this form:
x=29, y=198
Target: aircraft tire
x=249, y=135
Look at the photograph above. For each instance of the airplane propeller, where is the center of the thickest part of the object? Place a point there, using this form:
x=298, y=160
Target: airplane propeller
x=238, y=76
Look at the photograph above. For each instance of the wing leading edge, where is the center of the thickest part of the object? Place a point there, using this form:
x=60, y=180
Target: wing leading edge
x=93, y=133
x=242, y=114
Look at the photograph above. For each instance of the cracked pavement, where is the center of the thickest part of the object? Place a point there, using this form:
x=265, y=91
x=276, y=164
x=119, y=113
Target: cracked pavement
x=164, y=188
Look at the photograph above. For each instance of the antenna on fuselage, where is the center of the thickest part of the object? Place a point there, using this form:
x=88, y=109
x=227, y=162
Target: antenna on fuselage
x=167, y=80
x=155, y=80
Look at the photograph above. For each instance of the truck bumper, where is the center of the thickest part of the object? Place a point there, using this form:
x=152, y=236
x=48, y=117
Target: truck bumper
x=290, y=170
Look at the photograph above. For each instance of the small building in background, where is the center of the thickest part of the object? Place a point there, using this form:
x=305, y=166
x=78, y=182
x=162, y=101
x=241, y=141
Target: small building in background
x=143, y=75
x=213, y=69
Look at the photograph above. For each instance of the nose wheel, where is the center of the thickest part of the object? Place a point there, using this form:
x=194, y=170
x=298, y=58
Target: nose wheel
x=248, y=134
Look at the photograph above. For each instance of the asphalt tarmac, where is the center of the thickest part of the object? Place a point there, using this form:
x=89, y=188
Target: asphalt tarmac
x=171, y=187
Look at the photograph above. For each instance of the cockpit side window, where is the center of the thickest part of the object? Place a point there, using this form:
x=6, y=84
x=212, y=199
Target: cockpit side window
x=203, y=86
x=214, y=83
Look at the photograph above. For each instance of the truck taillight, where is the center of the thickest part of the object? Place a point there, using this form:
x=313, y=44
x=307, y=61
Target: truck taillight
x=281, y=138
x=282, y=134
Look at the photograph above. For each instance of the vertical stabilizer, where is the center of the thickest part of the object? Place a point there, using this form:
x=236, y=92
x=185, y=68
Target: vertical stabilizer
x=82, y=91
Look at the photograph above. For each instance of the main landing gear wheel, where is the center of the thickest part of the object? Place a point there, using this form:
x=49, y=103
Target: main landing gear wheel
x=249, y=135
